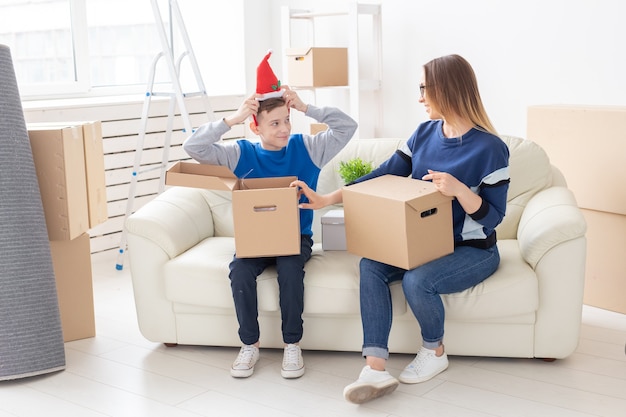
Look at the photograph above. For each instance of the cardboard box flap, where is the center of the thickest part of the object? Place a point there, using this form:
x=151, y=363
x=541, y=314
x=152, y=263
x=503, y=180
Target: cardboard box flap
x=297, y=52
x=260, y=183
x=191, y=174
x=403, y=189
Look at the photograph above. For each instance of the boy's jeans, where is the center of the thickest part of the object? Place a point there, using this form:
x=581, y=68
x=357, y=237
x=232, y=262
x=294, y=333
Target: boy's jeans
x=422, y=287
x=243, y=275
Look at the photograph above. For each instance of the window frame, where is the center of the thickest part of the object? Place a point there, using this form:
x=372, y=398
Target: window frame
x=83, y=87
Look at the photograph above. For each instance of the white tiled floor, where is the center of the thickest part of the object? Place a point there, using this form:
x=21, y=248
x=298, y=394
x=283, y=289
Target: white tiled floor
x=119, y=373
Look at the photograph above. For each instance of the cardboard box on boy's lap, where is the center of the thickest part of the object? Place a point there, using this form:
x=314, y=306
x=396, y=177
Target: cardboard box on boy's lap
x=265, y=210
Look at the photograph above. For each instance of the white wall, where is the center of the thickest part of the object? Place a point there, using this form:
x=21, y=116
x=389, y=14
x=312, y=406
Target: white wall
x=524, y=53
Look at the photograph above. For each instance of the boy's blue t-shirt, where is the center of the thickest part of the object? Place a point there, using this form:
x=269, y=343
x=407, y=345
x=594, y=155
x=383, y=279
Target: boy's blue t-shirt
x=292, y=160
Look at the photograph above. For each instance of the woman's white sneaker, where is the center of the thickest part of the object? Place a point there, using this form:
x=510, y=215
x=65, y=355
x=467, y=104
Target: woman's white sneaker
x=371, y=384
x=425, y=366
x=243, y=366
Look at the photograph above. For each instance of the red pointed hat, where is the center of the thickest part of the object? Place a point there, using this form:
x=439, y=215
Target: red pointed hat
x=267, y=84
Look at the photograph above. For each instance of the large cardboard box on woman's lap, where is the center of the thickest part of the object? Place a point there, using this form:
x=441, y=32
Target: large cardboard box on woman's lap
x=588, y=145
x=398, y=221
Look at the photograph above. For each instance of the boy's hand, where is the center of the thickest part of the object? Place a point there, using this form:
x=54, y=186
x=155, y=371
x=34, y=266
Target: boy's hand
x=293, y=100
x=249, y=107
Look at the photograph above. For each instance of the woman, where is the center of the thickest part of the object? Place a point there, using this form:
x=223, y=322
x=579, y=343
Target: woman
x=458, y=150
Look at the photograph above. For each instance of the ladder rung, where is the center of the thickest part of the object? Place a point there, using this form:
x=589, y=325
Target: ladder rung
x=143, y=171
x=161, y=93
x=194, y=94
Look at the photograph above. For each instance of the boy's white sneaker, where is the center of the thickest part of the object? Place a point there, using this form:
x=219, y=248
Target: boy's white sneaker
x=243, y=366
x=371, y=384
x=293, y=364
x=425, y=366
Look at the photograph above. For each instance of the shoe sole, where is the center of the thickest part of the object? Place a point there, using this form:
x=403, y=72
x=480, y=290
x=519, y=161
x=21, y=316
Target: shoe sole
x=241, y=373
x=292, y=374
x=408, y=380
x=366, y=392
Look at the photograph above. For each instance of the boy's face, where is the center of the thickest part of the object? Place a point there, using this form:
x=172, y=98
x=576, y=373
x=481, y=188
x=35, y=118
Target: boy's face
x=274, y=128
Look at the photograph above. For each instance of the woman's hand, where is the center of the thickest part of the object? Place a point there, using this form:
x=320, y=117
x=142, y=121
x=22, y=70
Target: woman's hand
x=445, y=183
x=448, y=185
x=316, y=201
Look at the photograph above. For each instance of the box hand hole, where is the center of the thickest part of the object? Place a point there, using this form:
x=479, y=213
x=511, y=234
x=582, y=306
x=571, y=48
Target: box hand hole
x=429, y=212
x=264, y=208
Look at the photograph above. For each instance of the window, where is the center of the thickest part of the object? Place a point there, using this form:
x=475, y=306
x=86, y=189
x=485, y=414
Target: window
x=64, y=48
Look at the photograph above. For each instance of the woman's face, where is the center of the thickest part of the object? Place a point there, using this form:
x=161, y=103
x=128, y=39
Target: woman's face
x=429, y=106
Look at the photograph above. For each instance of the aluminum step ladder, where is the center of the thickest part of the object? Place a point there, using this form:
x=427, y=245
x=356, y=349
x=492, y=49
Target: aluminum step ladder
x=176, y=97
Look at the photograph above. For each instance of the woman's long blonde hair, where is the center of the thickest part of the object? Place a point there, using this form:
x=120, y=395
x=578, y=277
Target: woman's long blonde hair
x=452, y=86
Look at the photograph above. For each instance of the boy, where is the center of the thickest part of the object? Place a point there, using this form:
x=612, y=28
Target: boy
x=278, y=154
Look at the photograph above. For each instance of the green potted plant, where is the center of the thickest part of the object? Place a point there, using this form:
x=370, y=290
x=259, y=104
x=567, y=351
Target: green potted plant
x=354, y=168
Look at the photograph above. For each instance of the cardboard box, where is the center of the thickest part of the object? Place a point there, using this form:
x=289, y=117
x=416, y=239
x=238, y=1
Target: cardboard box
x=94, y=169
x=265, y=210
x=605, y=272
x=317, y=67
x=588, y=144
x=71, y=260
x=333, y=230
x=94, y=166
x=398, y=221
x=59, y=158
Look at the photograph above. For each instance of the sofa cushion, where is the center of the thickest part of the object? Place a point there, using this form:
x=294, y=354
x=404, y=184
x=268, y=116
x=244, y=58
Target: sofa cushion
x=200, y=277
x=332, y=284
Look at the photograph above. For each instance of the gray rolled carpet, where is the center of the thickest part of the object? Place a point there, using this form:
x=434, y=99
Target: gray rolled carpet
x=31, y=339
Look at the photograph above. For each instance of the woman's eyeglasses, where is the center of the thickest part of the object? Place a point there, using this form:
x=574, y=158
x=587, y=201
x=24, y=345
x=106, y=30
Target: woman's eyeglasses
x=422, y=88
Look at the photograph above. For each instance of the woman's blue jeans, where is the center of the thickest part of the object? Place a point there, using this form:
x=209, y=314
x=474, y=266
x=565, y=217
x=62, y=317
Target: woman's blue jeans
x=422, y=286
x=290, y=269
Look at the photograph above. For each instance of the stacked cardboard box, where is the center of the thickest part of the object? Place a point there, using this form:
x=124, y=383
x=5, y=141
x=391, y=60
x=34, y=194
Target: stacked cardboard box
x=69, y=162
x=588, y=144
x=317, y=67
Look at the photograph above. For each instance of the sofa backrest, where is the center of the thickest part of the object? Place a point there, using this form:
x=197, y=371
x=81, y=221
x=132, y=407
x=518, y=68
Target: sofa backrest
x=375, y=151
x=529, y=165
x=530, y=172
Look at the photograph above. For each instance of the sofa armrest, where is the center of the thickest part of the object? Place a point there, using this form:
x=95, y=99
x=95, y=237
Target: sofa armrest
x=176, y=220
x=550, y=218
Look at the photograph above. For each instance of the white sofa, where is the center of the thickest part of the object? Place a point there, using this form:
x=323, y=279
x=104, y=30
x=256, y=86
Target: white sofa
x=180, y=245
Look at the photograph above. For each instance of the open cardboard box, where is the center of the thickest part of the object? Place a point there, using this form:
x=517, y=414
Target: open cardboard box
x=266, y=217
x=398, y=221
